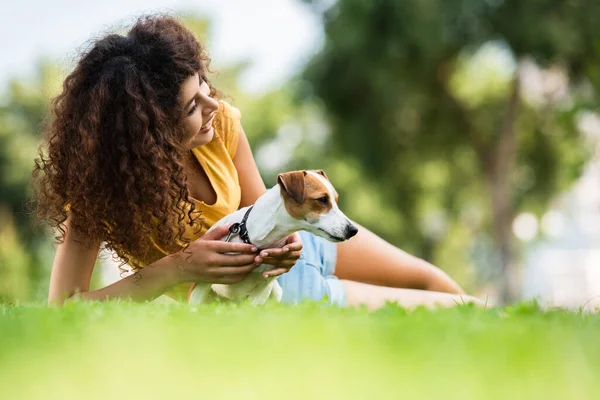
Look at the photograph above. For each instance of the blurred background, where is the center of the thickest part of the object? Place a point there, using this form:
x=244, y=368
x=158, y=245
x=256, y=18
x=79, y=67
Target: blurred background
x=465, y=132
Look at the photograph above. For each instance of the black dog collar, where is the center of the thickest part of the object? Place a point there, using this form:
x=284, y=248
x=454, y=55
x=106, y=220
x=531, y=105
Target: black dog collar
x=239, y=228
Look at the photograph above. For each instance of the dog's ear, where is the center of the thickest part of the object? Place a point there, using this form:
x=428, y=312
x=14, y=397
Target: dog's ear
x=293, y=184
x=321, y=172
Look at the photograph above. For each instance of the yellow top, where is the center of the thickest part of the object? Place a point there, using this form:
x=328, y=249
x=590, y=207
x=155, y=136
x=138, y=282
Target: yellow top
x=216, y=159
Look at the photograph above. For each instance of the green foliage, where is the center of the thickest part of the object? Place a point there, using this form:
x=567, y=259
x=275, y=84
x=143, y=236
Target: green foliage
x=14, y=262
x=22, y=114
x=425, y=96
x=121, y=349
x=23, y=109
x=413, y=91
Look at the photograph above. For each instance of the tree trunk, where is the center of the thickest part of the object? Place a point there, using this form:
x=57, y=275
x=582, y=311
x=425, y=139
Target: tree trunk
x=498, y=173
x=497, y=163
x=502, y=216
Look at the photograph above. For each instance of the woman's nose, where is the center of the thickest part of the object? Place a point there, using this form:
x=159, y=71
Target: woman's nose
x=211, y=105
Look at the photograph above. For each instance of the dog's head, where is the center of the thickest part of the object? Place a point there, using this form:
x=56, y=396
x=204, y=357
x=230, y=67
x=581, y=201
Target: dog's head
x=311, y=199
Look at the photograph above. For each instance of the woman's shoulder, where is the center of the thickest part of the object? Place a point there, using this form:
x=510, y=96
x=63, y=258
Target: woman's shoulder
x=227, y=126
x=228, y=112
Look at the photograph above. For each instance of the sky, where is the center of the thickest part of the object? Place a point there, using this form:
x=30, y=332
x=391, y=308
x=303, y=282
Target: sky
x=277, y=36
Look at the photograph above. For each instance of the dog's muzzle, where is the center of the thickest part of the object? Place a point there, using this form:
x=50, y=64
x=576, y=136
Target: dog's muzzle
x=350, y=231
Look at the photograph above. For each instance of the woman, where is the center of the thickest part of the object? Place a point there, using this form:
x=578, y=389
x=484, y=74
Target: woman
x=142, y=156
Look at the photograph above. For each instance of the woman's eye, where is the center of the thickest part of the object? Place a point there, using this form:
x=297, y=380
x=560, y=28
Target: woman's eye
x=323, y=200
x=193, y=109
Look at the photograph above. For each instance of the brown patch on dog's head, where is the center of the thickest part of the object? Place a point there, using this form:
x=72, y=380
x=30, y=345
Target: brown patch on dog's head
x=292, y=185
x=304, y=195
x=321, y=172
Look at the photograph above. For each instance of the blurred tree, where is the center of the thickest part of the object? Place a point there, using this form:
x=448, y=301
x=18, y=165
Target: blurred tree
x=22, y=111
x=429, y=97
x=15, y=262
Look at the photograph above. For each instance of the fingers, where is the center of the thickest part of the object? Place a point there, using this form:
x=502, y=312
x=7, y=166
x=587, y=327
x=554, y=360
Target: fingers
x=282, y=253
x=287, y=259
x=293, y=247
x=230, y=260
x=280, y=263
x=216, y=233
x=227, y=247
x=275, y=272
x=295, y=239
x=274, y=252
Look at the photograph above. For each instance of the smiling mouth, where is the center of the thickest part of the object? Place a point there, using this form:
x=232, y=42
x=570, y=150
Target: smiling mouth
x=207, y=126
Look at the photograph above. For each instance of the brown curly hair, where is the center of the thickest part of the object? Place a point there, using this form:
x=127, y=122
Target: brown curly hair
x=112, y=154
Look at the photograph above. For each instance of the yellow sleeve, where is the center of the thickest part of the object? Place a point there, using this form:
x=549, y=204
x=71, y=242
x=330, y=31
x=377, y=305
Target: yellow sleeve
x=228, y=125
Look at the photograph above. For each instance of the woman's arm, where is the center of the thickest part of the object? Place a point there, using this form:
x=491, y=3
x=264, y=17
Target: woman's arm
x=369, y=259
x=251, y=182
x=209, y=260
x=72, y=272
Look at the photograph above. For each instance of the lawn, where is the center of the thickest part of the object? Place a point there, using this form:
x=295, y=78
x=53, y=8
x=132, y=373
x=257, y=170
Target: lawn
x=123, y=350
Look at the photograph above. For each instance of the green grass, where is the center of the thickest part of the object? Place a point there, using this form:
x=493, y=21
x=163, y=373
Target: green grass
x=141, y=351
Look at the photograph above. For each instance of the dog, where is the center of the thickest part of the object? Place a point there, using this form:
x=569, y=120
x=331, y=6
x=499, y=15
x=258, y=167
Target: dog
x=301, y=200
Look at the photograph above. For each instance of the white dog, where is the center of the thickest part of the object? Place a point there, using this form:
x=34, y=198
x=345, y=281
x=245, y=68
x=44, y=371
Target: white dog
x=301, y=200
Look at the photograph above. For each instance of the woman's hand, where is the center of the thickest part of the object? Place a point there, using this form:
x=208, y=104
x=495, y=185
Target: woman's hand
x=207, y=259
x=284, y=258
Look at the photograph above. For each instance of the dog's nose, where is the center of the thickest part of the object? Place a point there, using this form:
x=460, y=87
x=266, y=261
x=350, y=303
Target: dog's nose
x=351, y=230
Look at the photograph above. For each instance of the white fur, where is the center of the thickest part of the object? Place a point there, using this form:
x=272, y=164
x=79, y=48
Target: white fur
x=269, y=224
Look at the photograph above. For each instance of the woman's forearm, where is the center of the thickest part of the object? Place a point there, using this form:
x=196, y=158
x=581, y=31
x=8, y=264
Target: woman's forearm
x=146, y=284
x=439, y=281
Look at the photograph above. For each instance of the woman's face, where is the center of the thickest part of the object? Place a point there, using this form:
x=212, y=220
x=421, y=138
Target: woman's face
x=198, y=111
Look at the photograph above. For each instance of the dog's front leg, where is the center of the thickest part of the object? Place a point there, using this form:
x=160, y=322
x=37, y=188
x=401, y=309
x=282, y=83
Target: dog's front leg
x=261, y=294
x=199, y=293
x=277, y=292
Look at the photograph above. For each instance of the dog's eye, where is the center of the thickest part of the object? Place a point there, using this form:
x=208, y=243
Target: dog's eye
x=323, y=200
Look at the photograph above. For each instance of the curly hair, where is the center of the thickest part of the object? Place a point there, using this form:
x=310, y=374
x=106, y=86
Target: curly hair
x=112, y=158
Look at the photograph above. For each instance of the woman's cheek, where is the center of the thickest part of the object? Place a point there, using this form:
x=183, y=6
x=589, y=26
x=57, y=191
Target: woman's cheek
x=192, y=127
